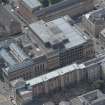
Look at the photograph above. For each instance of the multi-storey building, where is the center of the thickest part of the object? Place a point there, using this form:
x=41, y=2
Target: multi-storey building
x=32, y=10
x=94, y=22
x=95, y=97
x=72, y=74
x=17, y=64
x=27, y=7
x=61, y=37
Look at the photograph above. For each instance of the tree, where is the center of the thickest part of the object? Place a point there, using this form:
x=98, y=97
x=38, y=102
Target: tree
x=54, y=1
x=45, y=3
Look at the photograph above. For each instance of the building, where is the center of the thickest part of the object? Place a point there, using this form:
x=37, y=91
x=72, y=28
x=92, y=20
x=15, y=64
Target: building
x=65, y=7
x=27, y=7
x=25, y=92
x=20, y=57
x=18, y=64
x=60, y=37
x=14, y=59
x=94, y=22
x=72, y=74
x=91, y=70
x=95, y=97
x=102, y=37
x=9, y=25
x=48, y=46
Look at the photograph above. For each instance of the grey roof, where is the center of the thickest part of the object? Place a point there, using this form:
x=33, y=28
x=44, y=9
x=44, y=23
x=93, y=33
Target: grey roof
x=95, y=97
x=98, y=16
x=56, y=7
x=32, y=4
x=74, y=36
x=25, y=64
x=57, y=31
x=7, y=57
x=18, y=52
x=12, y=64
x=8, y=23
x=54, y=74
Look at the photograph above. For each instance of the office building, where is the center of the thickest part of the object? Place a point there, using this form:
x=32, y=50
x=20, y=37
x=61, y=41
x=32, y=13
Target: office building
x=60, y=37
x=48, y=46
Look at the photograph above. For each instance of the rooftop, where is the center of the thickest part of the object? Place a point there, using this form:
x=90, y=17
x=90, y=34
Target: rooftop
x=96, y=16
x=31, y=45
x=13, y=56
x=95, y=97
x=53, y=74
x=58, y=32
x=9, y=25
x=32, y=4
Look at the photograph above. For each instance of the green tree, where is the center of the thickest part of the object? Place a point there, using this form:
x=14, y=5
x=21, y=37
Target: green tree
x=45, y=3
x=54, y=1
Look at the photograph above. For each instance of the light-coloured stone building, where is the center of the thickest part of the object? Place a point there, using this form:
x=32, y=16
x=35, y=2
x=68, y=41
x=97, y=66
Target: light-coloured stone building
x=72, y=74
x=95, y=97
x=94, y=22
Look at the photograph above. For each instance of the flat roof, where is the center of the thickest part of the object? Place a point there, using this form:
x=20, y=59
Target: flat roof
x=32, y=3
x=53, y=74
x=25, y=64
x=58, y=30
x=71, y=32
x=7, y=57
x=9, y=25
x=12, y=63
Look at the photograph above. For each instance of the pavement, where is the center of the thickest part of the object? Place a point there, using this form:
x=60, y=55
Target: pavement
x=7, y=95
x=4, y=94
